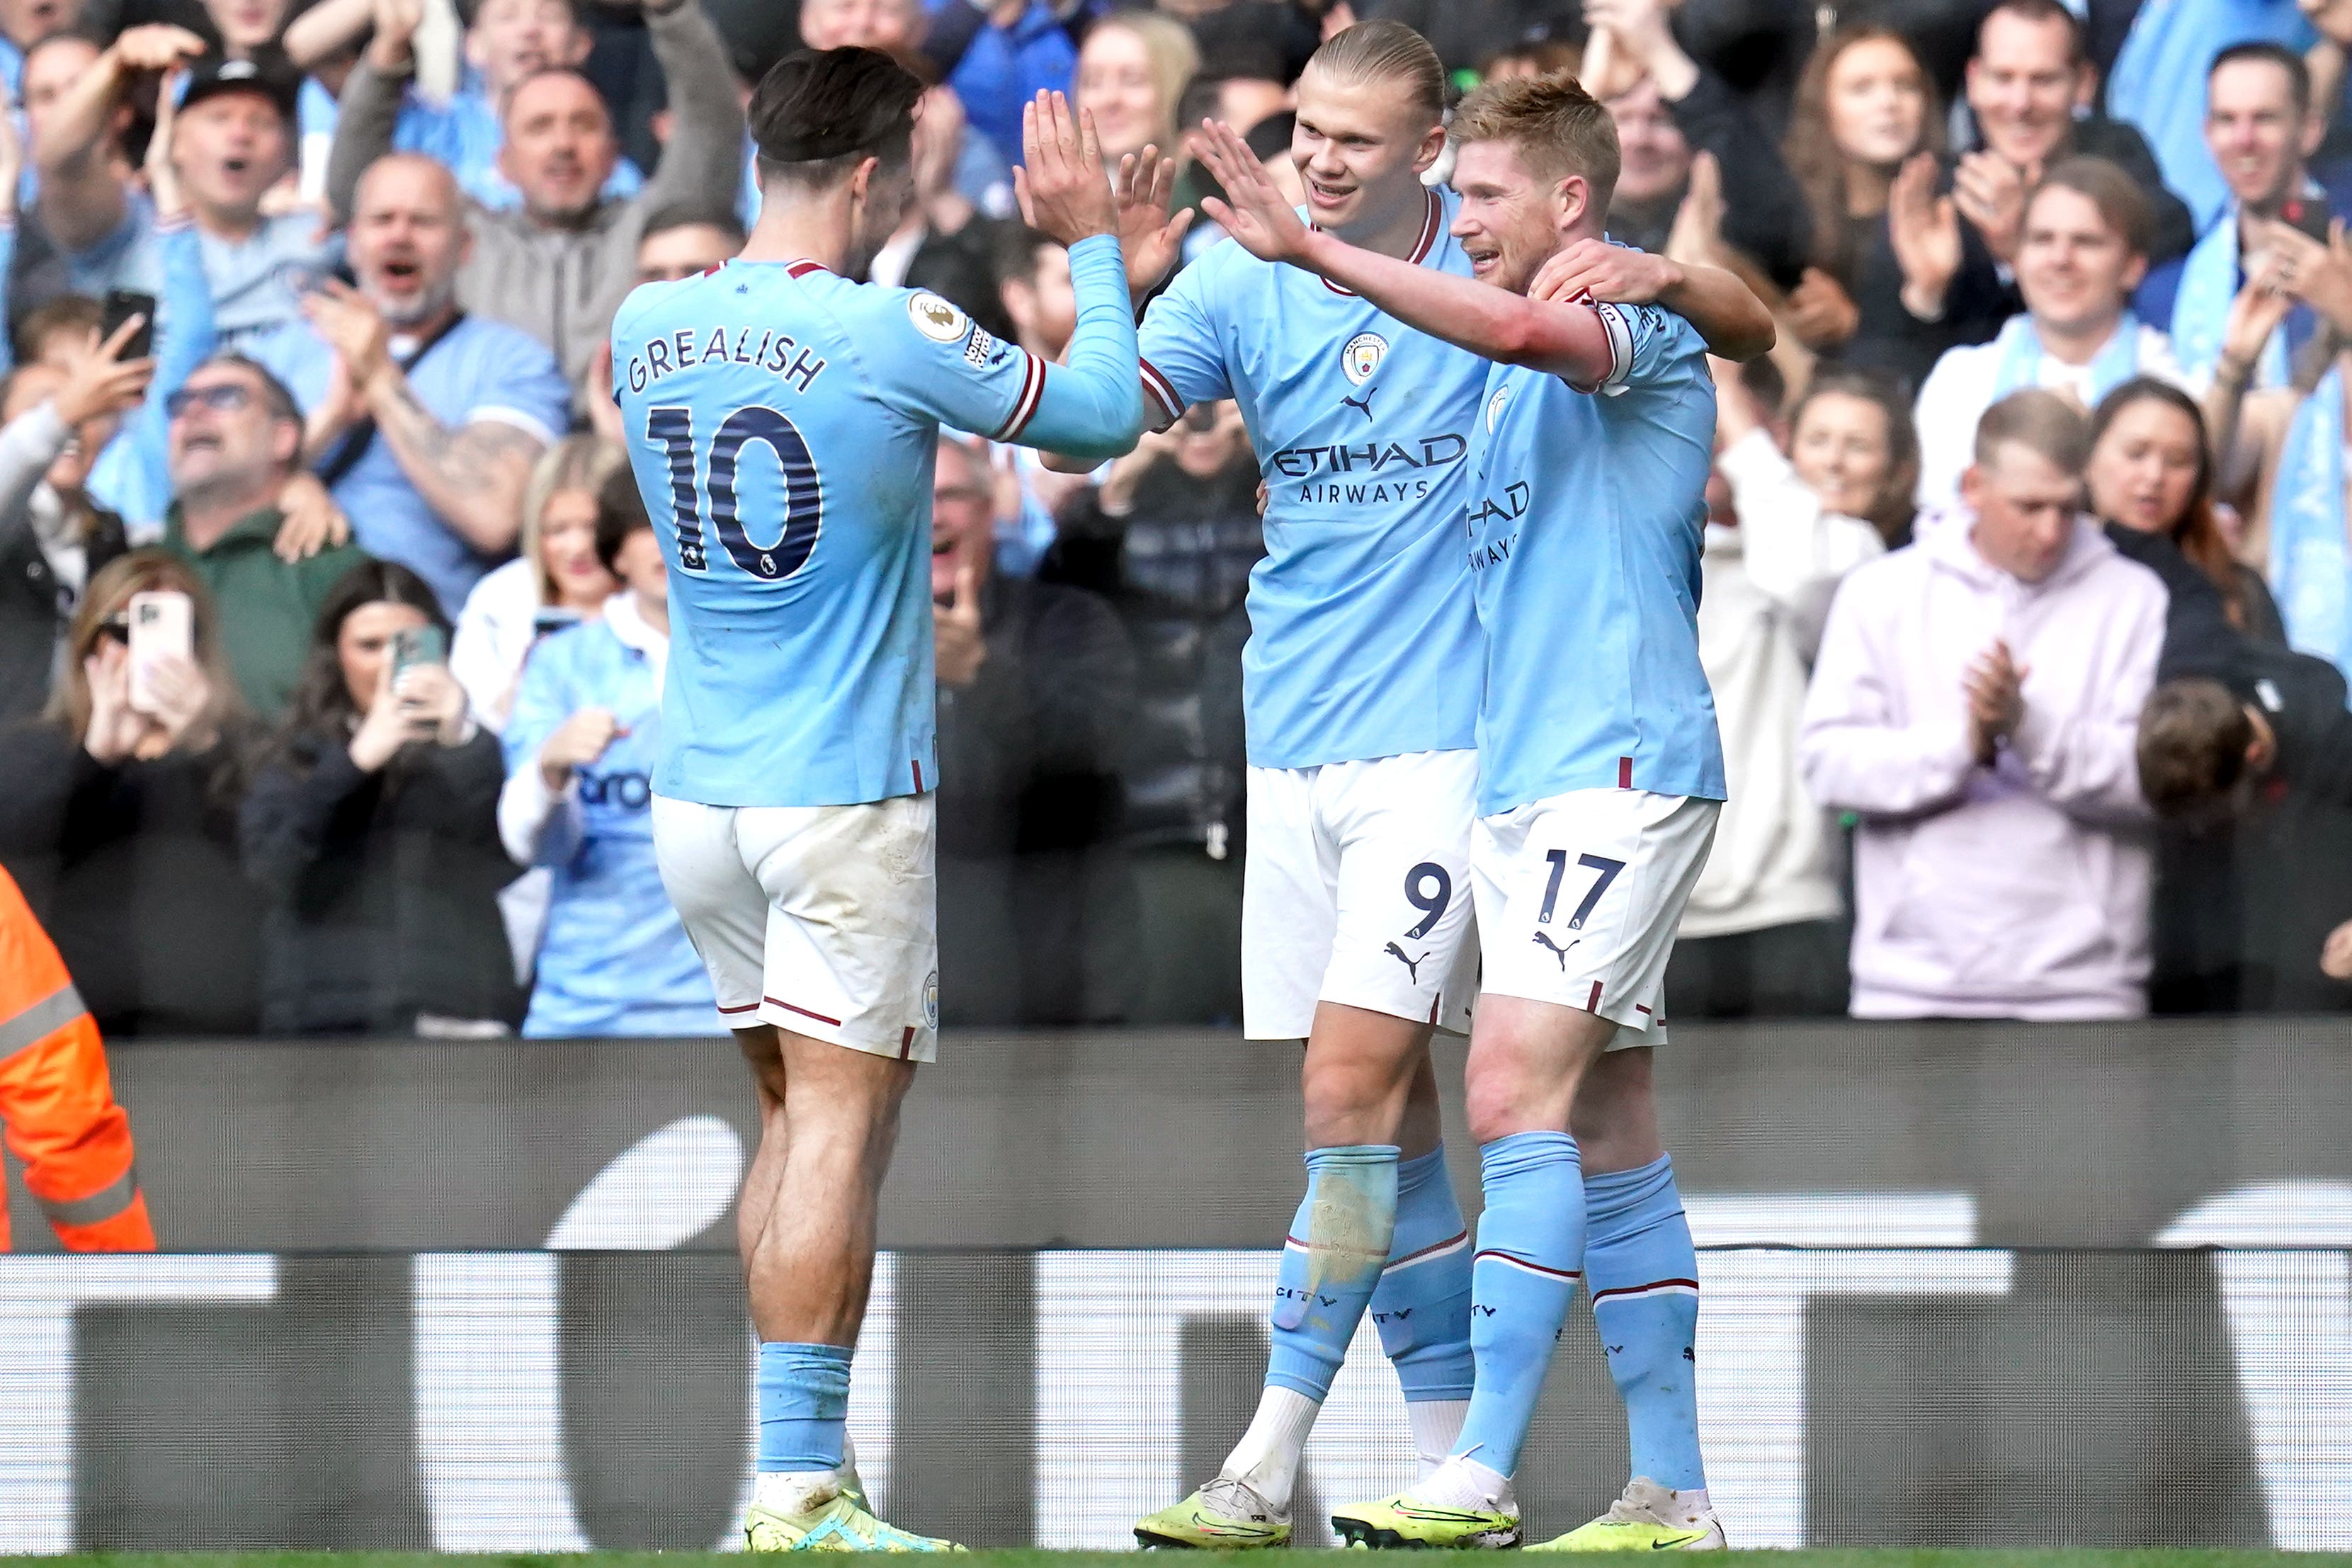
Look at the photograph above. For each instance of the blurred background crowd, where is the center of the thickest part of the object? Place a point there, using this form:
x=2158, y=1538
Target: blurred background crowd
x=305, y=315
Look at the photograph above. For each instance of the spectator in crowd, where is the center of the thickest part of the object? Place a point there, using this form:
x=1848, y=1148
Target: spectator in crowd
x=1269, y=142
x=1539, y=57
x=681, y=242
x=2266, y=760
x=24, y=24
x=557, y=581
x=2083, y=248
x=236, y=437
x=118, y=817
x=1763, y=934
x=372, y=827
x=1033, y=292
x=232, y=141
x=942, y=246
x=558, y=265
x=1132, y=76
x=975, y=166
x=579, y=799
x=2158, y=81
x=1675, y=107
x=53, y=537
x=2260, y=125
x=1896, y=279
x=1976, y=703
x=1170, y=537
x=508, y=43
x=1467, y=32
x=424, y=420
x=2151, y=482
x=1036, y=683
x=1018, y=49
x=2283, y=450
x=2030, y=90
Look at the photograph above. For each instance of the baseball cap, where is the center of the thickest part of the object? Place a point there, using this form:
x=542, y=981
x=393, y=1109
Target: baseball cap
x=270, y=74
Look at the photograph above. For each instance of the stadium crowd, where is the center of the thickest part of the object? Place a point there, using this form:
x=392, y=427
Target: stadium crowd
x=2064, y=298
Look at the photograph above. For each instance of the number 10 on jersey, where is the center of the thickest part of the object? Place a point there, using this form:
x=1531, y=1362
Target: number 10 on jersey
x=692, y=498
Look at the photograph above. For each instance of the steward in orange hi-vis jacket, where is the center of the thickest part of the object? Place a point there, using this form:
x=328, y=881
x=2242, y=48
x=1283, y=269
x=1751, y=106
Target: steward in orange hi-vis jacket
x=56, y=1102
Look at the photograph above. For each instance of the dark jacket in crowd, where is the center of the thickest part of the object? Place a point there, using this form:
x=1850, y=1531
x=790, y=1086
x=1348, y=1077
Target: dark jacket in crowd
x=132, y=867
x=1033, y=896
x=959, y=268
x=1466, y=32
x=380, y=890
x=33, y=609
x=1176, y=567
x=2198, y=639
x=2295, y=843
x=1764, y=211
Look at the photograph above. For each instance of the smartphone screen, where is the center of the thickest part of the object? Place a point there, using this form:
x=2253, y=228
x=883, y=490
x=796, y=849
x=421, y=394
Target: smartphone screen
x=2309, y=214
x=121, y=304
x=414, y=646
x=163, y=625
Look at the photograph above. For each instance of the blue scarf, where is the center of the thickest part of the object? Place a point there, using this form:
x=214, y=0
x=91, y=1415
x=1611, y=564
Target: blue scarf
x=2200, y=310
x=2159, y=83
x=2022, y=352
x=2311, y=564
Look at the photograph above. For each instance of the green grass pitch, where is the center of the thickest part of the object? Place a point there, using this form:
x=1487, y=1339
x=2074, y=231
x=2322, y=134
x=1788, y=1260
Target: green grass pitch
x=1887, y=1557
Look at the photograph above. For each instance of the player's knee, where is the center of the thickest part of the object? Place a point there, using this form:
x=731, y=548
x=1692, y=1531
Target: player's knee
x=1352, y=1099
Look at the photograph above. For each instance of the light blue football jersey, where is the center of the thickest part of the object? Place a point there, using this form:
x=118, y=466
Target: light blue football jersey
x=1363, y=640
x=782, y=424
x=1585, y=523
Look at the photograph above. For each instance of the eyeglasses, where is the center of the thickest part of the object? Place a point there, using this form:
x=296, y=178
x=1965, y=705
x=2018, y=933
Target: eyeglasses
x=226, y=397
x=116, y=626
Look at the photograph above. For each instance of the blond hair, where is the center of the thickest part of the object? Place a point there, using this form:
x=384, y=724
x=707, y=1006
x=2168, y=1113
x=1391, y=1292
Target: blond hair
x=1386, y=51
x=1174, y=59
x=576, y=463
x=1559, y=128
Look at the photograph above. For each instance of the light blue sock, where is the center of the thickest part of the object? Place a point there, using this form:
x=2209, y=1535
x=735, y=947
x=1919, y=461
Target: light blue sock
x=1331, y=1261
x=804, y=1399
x=1644, y=1274
x=1423, y=1304
x=1530, y=1246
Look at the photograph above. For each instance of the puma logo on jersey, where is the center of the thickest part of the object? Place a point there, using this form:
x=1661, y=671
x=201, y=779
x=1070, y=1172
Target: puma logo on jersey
x=1411, y=966
x=1557, y=950
x=1362, y=405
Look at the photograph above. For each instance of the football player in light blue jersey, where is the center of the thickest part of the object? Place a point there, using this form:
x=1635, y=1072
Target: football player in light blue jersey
x=783, y=422
x=1362, y=682
x=1600, y=776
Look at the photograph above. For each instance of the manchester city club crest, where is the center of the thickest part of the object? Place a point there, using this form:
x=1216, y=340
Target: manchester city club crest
x=1362, y=356
x=931, y=1001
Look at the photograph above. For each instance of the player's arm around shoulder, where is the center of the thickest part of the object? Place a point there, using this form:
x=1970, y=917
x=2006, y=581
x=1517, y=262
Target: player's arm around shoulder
x=1734, y=323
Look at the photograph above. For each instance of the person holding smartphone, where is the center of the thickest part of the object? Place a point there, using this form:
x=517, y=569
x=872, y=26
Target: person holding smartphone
x=118, y=807
x=372, y=828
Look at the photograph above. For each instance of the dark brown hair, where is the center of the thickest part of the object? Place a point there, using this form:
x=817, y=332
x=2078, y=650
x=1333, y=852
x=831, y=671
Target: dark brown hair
x=2193, y=738
x=1813, y=156
x=1893, y=513
x=2195, y=531
x=2123, y=205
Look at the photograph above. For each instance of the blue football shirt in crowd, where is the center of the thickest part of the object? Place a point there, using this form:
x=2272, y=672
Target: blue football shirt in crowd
x=480, y=370
x=782, y=423
x=1363, y=640
x=1585, y=525
x=257, y=282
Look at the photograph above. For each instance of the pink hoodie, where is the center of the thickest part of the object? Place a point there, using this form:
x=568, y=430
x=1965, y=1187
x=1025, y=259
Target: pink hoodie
x=2019, y=890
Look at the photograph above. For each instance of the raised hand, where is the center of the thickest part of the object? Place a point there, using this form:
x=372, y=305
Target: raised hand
x=1061, y=186
x=1990, y=192
x=182, y=695
x=99, y=384
x=1254, y=211
x=355, y=328
x=156, y=47
x=959, y=646
x=1610, y=274
x=1926, y=230
x=1697, y=238
x=313, y=522
x=1147, y=237
x=2315, y=272
x=1821, y=312
x=396, y=21
x=162, y=175
x=1994, y=685
x=115, y=727
x=2256, y=312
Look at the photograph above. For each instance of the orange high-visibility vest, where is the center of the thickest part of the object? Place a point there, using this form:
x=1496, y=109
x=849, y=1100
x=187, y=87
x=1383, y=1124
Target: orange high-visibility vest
x=55, y=1101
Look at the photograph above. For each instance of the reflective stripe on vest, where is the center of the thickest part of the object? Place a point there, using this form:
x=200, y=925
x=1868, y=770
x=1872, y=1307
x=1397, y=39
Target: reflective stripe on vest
x=102, y=1205
x=40, y=1021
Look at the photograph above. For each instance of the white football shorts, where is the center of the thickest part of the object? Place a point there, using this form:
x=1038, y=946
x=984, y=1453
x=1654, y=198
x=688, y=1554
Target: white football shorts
x=1578, y=897
x=823, y=919
x=1357, y=891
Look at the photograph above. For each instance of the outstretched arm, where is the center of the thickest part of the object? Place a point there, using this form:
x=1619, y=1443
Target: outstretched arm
x=1562, y=339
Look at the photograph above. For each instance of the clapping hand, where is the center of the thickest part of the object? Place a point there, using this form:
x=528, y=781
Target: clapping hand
x=1063, y=190
x=1995, y=686
x=1990, y=192
x=1926, y=230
